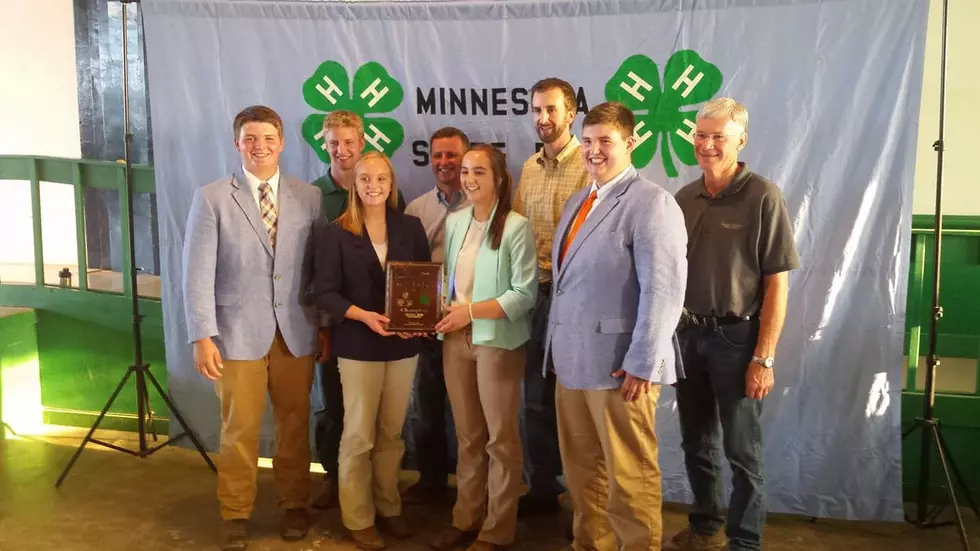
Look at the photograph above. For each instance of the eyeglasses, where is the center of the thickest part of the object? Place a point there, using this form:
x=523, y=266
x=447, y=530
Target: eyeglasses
x=716, y=138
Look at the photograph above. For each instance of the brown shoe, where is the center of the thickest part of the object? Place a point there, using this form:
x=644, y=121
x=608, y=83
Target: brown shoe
x=480, y=545
x=689, y=540
x=234, y=534
x=420, y=491
x=368, y=539
x=451, y=537
x=327, y=493
x=396, y=526
x=295, y=524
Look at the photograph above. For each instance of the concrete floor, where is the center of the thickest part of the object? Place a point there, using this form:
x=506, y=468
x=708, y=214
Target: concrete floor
x=111, y=501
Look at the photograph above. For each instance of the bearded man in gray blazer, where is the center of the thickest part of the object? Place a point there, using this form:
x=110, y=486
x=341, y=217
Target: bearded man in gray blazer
x=247, y=268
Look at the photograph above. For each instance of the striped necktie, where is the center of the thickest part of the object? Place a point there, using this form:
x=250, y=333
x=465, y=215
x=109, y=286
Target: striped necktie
x=268, y=207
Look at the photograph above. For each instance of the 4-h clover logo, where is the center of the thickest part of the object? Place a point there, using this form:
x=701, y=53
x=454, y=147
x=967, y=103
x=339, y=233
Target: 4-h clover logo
x=688, y=80
x=372, y=91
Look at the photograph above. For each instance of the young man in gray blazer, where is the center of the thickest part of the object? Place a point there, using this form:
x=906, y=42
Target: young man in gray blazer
x=247, y=269
x=620, y=271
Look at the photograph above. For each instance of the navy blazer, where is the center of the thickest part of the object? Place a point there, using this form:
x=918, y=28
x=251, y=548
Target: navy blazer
x=347, y=271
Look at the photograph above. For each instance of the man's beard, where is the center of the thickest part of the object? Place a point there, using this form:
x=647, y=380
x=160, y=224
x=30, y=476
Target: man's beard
x=551, y=134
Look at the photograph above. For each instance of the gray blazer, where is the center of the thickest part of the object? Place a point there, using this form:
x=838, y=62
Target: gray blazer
x=617, y=297
x=236, y=288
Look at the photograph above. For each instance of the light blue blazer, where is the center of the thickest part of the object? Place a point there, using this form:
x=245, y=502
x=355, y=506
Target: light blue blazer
x=237, y=289
x=509, y=275
x=617, y=296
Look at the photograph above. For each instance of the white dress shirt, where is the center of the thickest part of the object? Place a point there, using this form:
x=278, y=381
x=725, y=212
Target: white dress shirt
x=253, y=184
x=466, y=261
x=606, y=189
x=381, y=249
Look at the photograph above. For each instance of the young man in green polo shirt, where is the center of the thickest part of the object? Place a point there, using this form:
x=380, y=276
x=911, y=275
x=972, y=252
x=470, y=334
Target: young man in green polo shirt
x=343, y=134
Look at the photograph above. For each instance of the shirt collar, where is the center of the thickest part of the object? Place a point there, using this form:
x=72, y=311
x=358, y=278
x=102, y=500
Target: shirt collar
x=571, y=148
x=735, y=186
x=606, y=189
x=450, y=202
x=331, y=186
x=254, y=182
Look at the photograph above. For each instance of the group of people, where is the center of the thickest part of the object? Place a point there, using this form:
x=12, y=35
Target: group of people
x=572, y=297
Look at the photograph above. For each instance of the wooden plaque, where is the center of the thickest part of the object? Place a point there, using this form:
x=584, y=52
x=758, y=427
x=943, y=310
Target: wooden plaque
x=413, y=296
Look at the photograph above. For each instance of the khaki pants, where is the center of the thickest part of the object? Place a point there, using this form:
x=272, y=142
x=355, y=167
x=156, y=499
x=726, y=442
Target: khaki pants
x=242, y=391
x=484, y=387
x=609, y=454
x=376, y=396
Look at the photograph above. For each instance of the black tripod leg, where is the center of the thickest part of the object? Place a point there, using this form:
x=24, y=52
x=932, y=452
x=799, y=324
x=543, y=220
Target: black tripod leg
x=909, y=431
x=949, y=486
x=149, y=414
x=91, y=431
x=956, y=472
x=190, y=434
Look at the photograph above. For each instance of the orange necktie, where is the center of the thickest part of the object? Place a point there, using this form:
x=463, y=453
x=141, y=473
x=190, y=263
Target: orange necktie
x=579, y=220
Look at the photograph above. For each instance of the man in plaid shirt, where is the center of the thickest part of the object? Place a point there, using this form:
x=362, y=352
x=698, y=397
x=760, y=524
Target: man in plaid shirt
x=548, y=179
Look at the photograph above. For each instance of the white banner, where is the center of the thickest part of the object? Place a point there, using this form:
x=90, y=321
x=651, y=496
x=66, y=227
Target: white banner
x=833, y=92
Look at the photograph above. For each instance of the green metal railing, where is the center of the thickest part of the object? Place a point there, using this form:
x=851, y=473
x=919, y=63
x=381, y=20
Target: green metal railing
x=959, y=332
x=80, y=174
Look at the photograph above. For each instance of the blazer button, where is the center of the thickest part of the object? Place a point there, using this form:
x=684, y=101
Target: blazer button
x=278, y=304
x=276, y=277
x=558, y=292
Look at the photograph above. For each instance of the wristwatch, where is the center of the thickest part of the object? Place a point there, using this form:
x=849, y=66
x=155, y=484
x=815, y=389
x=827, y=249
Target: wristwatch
x=766, y=362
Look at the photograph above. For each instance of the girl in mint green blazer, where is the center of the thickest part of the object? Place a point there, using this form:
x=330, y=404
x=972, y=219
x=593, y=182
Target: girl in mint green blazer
x=505, y=285
x=490, y=287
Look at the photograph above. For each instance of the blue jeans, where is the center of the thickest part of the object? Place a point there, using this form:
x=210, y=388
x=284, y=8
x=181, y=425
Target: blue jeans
x=433, y=457
x=540, y=420
x=716, y=359
x=329, y=421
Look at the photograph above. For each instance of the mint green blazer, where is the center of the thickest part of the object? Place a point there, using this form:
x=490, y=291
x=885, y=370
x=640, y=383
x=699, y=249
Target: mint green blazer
x=509, y=275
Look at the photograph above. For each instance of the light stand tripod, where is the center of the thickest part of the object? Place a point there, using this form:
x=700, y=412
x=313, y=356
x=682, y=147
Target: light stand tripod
x=139, y=369
x=932, y=436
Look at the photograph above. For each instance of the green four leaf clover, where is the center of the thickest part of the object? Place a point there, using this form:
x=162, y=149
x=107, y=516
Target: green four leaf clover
x=688, y=80
x=371, y=91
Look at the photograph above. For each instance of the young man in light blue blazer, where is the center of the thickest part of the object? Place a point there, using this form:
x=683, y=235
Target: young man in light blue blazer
x=620, y=272
x=247, y=270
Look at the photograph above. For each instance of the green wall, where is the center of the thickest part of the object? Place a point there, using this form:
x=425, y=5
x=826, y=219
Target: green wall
x=18, y=368
x=960, y=422
x=959, y=328
x=84, y=348
x=81, y=364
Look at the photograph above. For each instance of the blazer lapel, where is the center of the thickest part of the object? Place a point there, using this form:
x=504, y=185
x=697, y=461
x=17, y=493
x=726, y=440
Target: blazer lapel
x=246, y=201
x=558, y=268
x=601, y=211
x=287, y=206
x=399, y=247
x=370, y=257
x=453, y=247
x=590, y=224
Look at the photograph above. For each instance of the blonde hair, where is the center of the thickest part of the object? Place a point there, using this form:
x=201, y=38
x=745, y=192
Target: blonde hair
x=722, y=108
x=343, y=119
x=352, y=219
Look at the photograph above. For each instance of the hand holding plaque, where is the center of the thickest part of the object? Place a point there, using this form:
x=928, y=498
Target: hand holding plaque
x=413, y=296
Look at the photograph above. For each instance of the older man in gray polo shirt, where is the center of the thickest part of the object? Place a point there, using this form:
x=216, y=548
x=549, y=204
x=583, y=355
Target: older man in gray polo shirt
x=740, y=249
